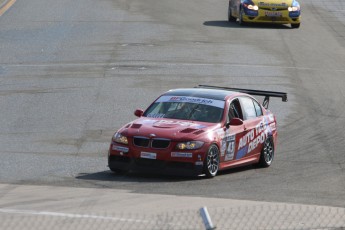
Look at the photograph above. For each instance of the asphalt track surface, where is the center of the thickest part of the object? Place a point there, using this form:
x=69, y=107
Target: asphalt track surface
x=73, y=72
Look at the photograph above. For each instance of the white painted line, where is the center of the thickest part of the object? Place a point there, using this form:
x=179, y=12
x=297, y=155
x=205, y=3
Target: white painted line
x=68, y=215
x=144, y=65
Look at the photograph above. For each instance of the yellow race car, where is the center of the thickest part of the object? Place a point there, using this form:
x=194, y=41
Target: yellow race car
x=265, y=11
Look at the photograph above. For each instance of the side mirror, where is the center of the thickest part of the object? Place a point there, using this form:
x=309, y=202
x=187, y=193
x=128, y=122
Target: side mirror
x=138, y=112
x=234, y=122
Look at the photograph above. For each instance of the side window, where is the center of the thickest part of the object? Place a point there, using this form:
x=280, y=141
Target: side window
x=235, y=110
x=249, y=111
x=257, y=108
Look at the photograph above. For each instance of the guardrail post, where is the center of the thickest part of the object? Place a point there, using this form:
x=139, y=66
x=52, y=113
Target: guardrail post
x=206, y=219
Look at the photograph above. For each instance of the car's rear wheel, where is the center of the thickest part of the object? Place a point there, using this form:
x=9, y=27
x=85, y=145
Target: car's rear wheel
x=230, y=17
x=295, y=26
x=267, y=153
x=211, y=164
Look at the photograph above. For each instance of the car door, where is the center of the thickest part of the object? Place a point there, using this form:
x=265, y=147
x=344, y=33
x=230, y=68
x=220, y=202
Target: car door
x=234, y=133
x=251, y=141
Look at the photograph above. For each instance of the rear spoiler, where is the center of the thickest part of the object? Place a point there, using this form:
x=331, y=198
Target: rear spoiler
x=266, y=94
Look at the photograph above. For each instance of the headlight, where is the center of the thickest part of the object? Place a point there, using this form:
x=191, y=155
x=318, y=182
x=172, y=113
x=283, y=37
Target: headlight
x=293, y=8
x=251, y=7
x=119, y=138
x=189, y=145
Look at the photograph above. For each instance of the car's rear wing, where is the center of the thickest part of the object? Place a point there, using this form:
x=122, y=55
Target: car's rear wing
x=266, y=94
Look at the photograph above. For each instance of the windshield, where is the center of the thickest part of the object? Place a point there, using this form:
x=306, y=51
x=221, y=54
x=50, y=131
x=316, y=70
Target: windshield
x=186, y=108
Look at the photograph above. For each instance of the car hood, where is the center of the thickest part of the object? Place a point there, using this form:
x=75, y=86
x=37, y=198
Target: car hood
x=167, y=128
x=273, y=3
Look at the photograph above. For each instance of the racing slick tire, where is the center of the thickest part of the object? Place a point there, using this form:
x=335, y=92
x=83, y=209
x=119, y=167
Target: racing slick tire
x=117, y=171
x=211, y=163
x=230, y=17
x=295, y=26
x=267, y=153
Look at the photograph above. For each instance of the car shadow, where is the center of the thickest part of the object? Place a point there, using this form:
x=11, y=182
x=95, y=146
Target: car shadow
x=227, y=24
x=237, y=170
x=153, y=177
x=134, y=177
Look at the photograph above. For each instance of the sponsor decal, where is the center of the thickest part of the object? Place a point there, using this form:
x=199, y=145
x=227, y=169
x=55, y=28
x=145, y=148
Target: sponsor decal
x=148, y=155
x=264, y=4
x=192, y=100
x=196, y=126
x=156, y=115
x=228, y=147
x=199, y=163
x=179, y=154
x=242, y=152
x=195, y=100
x=253, y=138
x=273, y=13
x=172, y=122
x=120, y=148
x=222, y=135
x=148, y=121
x=273, y=126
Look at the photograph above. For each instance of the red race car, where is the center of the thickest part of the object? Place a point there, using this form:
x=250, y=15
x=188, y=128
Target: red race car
x=196, y=131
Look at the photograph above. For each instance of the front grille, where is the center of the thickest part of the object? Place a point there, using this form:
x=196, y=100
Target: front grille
x=181, y=165
x=119, y=159
x=141, y=141
x=280, y=19
x=154, y=143
x=152, y=164
x=160, y=143
x=273, y=9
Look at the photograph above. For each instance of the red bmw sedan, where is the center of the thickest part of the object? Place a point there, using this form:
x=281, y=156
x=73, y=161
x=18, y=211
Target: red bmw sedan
x=198, y=131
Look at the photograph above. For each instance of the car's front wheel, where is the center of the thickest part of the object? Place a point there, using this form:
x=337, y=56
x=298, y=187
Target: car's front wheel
x=240, y=18
x=117, y=171
x=267, y=153
x=295, y=26
x=230, y=17
x=211, y=164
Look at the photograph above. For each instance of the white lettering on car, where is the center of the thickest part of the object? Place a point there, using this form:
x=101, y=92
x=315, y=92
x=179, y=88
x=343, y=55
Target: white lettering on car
x=256, y=136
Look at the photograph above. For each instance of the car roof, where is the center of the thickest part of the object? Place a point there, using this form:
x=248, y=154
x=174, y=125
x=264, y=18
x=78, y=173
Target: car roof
x=216, y=94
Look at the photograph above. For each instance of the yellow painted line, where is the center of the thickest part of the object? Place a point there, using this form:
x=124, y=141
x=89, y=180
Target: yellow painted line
x=6, y=6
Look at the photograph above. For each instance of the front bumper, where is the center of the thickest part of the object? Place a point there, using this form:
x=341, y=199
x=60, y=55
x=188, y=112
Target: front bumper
x=165, y=161
x=276, y=17
x=154, y=166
